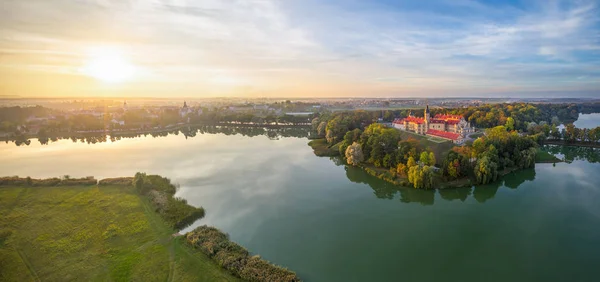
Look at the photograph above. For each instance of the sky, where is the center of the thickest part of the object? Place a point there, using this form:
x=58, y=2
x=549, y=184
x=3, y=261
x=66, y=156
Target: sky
x=299, y=48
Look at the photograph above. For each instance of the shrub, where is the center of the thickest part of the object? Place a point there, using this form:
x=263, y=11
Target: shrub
x=119, y=181
x=175, y=211
x=79, y=181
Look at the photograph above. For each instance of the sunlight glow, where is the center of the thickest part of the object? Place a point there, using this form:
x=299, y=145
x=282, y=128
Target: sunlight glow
x=108, y=65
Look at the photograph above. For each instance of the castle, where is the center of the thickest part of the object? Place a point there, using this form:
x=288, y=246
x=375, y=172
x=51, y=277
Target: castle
x=450, y=127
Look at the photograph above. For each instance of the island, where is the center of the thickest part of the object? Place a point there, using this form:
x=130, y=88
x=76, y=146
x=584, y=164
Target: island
x=118, y=229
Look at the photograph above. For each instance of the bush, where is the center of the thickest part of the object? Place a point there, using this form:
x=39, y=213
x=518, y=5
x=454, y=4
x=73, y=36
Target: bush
x=119, y=181
x=28, y=181
x=79, y=181
x=235, y=258
x=175, y=211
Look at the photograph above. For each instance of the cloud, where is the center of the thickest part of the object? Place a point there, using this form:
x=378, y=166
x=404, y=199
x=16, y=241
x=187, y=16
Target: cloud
x=338, y=48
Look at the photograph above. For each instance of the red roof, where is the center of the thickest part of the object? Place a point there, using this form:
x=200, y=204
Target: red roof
x=398, y=121
x=447, y=117
x=415, y=120
x=443, y=134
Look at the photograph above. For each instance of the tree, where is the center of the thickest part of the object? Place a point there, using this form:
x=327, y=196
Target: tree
x=424, y=159
x=479, y=146
x=411, y=162
x=402, y=169
x=321, y=128
x=421, y=177
x=432, y=160
x=486, y=171
x=510, y=124
x=354, y=154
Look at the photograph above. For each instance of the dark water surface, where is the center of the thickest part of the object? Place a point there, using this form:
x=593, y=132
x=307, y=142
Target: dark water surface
x=332, y=223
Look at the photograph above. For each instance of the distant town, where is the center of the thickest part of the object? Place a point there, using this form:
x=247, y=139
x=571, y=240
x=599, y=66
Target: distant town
x=97, y=115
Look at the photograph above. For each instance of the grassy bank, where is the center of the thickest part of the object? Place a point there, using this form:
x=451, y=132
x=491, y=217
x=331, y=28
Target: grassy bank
x=322, y=149
x=542, y=156
x=92, y=233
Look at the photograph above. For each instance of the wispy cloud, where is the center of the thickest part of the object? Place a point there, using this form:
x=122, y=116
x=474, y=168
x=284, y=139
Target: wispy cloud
x=309, y=47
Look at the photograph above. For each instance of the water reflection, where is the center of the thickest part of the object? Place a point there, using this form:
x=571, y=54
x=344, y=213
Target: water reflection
x=273, y=133
x=482, y=193
x=573, y=153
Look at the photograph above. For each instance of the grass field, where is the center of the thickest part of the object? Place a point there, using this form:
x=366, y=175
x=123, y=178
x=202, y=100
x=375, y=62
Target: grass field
x=92, y=233
x=322, y=149
x=438, y=146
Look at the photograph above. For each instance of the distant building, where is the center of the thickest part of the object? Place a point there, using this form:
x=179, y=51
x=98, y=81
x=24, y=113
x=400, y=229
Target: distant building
x=449, y=127
x=185, y=110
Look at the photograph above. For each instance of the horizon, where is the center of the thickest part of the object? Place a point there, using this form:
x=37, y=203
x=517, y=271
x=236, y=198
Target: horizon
x=299, y=49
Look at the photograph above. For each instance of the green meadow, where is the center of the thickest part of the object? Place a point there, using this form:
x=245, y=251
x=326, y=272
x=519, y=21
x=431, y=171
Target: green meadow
x=92, y=233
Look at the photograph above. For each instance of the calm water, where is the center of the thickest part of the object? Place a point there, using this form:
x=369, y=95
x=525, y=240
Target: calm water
x=588, y=120
x=332, y=223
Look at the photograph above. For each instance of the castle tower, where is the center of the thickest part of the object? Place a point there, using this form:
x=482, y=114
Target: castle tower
x=427, y=114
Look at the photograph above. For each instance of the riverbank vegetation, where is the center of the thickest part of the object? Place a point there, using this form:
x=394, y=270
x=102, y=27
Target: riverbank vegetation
x=115, y=229
x=322, y=149
x=234, y=257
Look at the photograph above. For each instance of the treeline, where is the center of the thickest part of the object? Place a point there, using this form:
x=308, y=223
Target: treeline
x=572, y=134
x=188, y=131
x=491, y=115
x=217, y=116
x=233, y=257
x=47, y=182
x=174, y=210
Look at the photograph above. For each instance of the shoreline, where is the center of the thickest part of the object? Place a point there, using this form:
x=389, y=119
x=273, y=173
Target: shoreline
x=144, y=131
x=320, y=149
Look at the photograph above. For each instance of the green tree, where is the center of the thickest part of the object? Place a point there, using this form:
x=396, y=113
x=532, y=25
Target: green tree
x=510, y=124
x=432, y=160
x=421, y=177
x=411, y=162
x=424, y=159
x=486, y=171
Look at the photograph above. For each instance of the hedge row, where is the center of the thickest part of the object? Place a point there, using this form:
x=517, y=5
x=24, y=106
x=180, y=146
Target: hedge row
x=120, y=181
x=175, y=211
x=235, y=258
x=28, y=181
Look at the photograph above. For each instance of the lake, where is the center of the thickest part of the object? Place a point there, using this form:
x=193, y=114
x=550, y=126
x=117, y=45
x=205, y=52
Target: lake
x=588, y=120
x=328, y=222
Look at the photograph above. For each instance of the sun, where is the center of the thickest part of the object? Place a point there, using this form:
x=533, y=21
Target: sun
x=108, y=65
